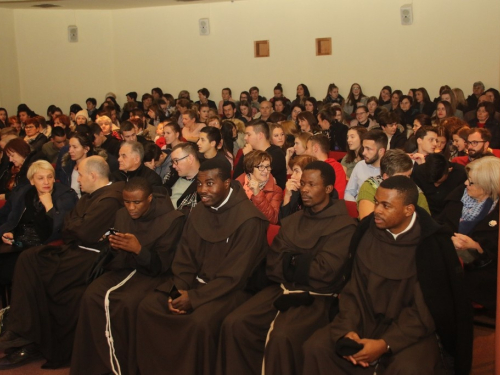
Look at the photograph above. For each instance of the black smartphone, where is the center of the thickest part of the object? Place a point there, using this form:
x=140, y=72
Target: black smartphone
x=174, y=293
x=113, y=231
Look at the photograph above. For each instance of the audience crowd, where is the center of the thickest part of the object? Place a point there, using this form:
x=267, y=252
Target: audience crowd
x=339, y=235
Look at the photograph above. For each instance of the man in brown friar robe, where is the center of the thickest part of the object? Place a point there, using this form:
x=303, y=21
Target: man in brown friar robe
x=143, y=249
x=223, y=242
x=49, y=281
x=308, y=260
x=404, y=301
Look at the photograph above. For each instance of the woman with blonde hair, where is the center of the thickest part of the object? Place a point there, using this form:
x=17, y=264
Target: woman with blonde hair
x=34, y=215
x=472, y=215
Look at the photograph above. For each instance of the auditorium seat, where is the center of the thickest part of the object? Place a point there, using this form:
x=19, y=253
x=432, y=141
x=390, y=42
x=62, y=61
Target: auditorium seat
x=496, y=152
x=272, y=231
x=352, y=208
x=337, y=155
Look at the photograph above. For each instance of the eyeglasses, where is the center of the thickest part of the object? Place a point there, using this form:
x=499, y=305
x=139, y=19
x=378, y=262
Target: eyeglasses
x=30, y=127
x=474, y=143
x=469, y=181
x=176, y=161
x=360, y=113
x=262, y=168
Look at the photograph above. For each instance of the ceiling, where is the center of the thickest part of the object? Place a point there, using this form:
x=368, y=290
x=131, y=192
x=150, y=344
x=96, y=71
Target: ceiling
x=98, y=4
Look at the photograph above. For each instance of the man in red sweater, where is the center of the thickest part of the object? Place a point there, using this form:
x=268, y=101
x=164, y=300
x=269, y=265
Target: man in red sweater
x=319, y=145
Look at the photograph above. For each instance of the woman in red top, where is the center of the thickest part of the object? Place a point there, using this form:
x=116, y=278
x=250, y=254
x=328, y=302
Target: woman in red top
x=260, y=186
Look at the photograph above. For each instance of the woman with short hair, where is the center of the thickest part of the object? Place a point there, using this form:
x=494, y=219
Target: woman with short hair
x=259, y=184
x=34, y=215
x=472, y=215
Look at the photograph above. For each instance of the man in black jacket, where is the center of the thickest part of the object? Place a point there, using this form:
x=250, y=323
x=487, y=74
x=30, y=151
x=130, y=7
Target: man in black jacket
x=130, y=160
x=405, y=298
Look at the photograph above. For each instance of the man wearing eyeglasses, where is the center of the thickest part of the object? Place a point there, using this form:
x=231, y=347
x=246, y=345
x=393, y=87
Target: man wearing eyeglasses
x=478, y=143
x=181, y=180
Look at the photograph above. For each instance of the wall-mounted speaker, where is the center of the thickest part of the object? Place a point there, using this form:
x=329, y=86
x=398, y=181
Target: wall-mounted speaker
x=406, y=14
x=204, y=25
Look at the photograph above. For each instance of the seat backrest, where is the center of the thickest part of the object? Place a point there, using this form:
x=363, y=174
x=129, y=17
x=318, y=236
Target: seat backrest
x=352, y=208
x=272, y=231
x=337, y=155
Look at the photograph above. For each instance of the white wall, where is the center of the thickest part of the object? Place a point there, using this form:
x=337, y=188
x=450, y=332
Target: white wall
x=54, y=71
x=451, y=42
x=9, y=74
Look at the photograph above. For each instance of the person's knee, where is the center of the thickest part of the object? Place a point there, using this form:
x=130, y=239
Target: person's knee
x=319, y=344
x=234, y=325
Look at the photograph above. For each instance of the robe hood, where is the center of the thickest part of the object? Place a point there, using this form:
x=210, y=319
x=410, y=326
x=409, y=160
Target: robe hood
x=217, y=225
x=400, y=251
x=332, y=219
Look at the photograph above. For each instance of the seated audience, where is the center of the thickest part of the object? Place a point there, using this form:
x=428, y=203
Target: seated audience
x=292, y=201
x=307, y=263
x=49, y=281
x=393, y=163
x=21, y=157
x=139, y=254
x=308, y=123
x=34, y=138
x=472, y=214
x=478, y=144
x=257, y=137
x=51, y=149
x=389, y=124
x=485, y=119
x=191, y=127
x=80, y=147
x=107, y=142
x=374, y=146
x=277, y=135
x=397, y=303
x=443, y=142
x=34, y=214
x=459, y=137
x=427, y=139
x=209, y=142
x=259, y=185
x=299, y=147
x=420, y=120
x=131, y=165
x=334, y=130
x=318, y=146
x=211, y=268
x=362, y=119
x=108, y=128
x=437, y=177
x=354, y=149
x=181, y=180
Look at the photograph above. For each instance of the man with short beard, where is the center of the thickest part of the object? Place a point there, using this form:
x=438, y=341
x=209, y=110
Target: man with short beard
x=478, y=143
x=404, y=307
x=374, y=147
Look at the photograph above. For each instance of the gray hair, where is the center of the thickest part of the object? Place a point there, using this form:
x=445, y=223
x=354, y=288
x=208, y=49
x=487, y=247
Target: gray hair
x=96, y=164
x=135, y=148
x=478, y=83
